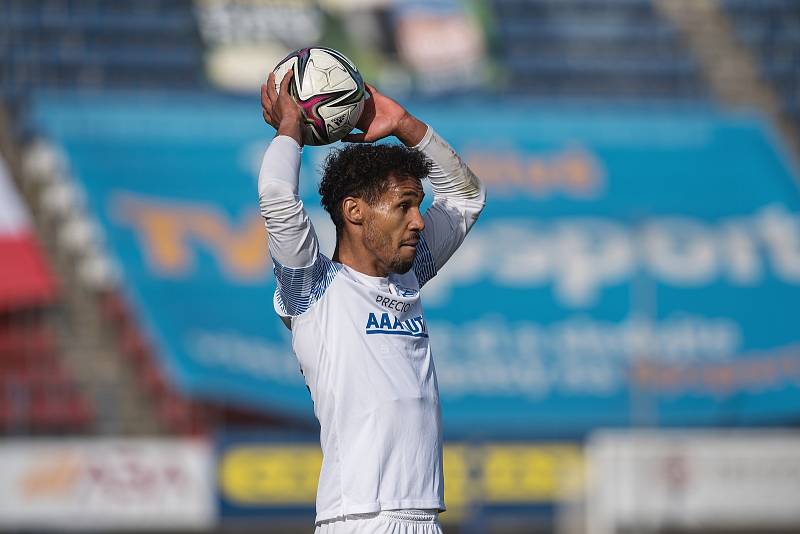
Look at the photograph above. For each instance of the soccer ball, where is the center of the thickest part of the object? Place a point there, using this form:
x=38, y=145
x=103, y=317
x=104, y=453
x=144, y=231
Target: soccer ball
x=328, y=88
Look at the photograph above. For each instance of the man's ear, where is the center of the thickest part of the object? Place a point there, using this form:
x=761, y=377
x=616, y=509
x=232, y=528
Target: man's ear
x=353, y=210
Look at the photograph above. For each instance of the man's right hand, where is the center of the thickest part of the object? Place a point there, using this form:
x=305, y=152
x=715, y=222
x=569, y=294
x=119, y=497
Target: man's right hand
x=279, y=108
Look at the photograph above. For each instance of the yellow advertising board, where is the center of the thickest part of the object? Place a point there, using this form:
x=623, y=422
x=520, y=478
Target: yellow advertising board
x=284, y=475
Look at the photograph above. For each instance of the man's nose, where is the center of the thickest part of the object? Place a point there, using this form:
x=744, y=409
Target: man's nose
x=417, y=222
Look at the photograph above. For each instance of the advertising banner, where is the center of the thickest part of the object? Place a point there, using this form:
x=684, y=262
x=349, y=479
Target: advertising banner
x=632, y=266
x=260, y=477
x=106, y=484
x=703, y=480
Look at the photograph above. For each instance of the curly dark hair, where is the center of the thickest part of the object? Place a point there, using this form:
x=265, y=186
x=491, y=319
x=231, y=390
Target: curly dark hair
x=360, y=170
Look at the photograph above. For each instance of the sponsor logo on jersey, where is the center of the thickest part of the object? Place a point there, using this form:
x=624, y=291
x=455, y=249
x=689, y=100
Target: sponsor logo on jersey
x=393, y=304
x=385, y=323
x=405, y=291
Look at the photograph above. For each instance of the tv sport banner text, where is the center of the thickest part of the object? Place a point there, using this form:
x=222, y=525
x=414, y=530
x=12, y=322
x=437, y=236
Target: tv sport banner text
x=631, y=266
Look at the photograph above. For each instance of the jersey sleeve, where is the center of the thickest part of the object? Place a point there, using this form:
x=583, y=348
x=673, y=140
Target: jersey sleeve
x=458, y=199
x=302, y=273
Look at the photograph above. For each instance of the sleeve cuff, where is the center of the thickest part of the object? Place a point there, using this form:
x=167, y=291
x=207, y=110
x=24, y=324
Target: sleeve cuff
x=289, y=141
x=281, y=163
x=426, y=139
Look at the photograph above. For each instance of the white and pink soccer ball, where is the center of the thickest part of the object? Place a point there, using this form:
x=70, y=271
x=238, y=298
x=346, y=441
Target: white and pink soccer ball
x=328, y=88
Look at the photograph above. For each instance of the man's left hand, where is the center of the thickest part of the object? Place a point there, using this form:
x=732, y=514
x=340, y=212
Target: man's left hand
x=383, y=117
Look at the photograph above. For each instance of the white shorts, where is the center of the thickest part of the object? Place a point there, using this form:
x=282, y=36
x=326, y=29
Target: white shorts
x=385, y=522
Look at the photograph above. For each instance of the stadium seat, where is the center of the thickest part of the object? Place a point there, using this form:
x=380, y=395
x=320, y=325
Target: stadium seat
x=593, y=48
x=771, y=29
x=73, y=45
x=36, y=392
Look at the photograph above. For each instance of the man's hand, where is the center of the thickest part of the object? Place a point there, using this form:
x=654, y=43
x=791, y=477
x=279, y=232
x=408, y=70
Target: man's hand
x=280, y=110
x=383, y=117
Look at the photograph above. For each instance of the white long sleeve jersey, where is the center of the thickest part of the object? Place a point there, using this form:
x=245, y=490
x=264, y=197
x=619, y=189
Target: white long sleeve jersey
x=362, y=341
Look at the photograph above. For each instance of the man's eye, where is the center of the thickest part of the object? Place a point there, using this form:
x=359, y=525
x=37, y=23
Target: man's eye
x=405, y=205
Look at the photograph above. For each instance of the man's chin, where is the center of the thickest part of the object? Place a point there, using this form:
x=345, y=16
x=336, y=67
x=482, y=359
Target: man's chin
x=402, y=266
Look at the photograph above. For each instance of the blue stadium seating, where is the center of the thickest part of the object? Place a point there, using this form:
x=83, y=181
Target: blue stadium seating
x=593, y=48
x=771, y=28
x=99, y=44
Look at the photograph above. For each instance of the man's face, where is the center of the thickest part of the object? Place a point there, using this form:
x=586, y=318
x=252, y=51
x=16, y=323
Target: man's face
x=393, y=224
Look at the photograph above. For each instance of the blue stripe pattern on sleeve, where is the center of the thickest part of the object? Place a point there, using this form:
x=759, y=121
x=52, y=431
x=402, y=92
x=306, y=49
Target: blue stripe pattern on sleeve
x=424, y=265
x=299, y=288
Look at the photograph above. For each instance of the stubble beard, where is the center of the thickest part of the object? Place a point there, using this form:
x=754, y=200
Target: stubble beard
x=382, y=246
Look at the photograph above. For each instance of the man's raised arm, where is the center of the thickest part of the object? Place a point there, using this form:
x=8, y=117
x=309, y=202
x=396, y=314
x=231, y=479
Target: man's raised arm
x=458, y=198
x=292, y=241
